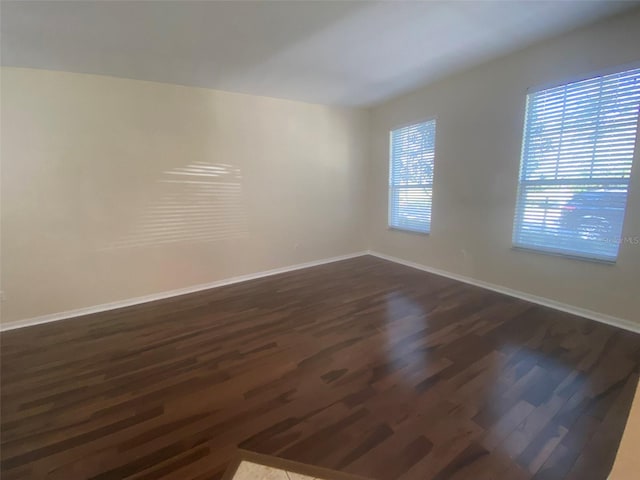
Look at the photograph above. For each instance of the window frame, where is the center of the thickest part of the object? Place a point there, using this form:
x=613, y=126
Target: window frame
x=391, y=187
x=518, y=212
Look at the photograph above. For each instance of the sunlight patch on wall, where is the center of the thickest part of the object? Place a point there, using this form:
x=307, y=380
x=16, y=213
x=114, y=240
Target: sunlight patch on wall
x=200, y=202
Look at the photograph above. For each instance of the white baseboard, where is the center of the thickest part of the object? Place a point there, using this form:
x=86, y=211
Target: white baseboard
x=547, y=302
x=598, y=317
x=53, y=317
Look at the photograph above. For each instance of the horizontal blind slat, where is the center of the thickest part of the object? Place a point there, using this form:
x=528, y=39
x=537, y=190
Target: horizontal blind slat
x=412, y=154
x=577, y=153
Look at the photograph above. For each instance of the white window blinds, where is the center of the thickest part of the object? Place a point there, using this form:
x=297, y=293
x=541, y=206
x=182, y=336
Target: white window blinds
x=576, y=162
x=411, y=176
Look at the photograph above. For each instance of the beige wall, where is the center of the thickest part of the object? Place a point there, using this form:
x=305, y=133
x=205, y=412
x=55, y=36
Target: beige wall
x=479, y=133
x=113, y=188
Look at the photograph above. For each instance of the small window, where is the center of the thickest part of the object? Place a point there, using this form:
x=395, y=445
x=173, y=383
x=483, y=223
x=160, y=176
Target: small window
x=576, y=163
x=411, y=176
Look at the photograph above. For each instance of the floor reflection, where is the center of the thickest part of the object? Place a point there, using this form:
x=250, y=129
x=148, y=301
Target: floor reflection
x=405, y=318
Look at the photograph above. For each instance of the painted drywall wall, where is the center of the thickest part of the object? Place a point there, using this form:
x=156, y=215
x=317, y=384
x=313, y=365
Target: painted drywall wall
x=480, y=118
x=114, y=188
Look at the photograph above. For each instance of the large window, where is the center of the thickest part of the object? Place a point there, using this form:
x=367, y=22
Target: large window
x=576, y=162
x=411, y=176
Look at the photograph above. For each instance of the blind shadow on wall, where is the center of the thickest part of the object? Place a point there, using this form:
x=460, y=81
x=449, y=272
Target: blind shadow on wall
x=197, y=203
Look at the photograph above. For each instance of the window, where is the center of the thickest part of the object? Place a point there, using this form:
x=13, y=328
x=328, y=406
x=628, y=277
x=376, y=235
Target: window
x=411, y=176
x=576, y=163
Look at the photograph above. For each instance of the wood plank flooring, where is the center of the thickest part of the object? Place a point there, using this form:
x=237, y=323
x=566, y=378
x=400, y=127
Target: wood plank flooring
x=362, y=366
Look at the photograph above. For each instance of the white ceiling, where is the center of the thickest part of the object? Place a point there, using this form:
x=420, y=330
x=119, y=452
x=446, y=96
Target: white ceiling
x=334, y=52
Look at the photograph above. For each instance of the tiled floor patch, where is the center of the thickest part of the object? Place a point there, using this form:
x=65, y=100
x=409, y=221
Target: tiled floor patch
x=254, y=471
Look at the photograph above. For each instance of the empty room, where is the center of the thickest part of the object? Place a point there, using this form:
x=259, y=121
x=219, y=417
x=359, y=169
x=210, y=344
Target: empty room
x=333, y=240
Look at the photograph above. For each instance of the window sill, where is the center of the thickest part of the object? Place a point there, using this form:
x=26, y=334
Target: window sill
x=406, y=230
x=564, y=255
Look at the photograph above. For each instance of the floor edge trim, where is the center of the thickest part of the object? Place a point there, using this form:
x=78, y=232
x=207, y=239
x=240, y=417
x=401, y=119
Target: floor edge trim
x=79, y=312
x=546, y=302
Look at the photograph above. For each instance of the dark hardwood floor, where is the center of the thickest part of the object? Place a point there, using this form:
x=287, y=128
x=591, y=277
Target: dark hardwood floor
x=363, y=366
